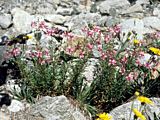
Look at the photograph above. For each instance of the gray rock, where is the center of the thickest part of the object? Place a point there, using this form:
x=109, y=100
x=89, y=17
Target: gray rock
x=54, y=1
x=80, y=21
x=118, y=4
x=142, y=2
x=45, y=8
x=111, y=21
x=5, y=20
x=133, y=24
x=52, y=108
x=64, y=11
x=22, y=20
x=134, y=8
x=54, y=18
x=123, y=111
x=156, y=12
x=152, y=22
x=102, y=21
x=16, y=106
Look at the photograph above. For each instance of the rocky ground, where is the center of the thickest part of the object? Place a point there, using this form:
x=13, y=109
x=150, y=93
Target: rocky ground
x=16, y=17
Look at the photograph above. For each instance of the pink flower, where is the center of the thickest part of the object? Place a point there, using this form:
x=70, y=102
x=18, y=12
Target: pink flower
x=90, y=33
x=130, y=76
x=141, y=54
x=122, y=70
x=16, y=51
x=85, y=29
x=68, y=35
x=50, y=32
x=124, y=60
x=107, y=38
x=46, y=52
x=81, y=54
x=42, y=25
x=90, y=46
x=39, y=54
x=117, y=29
x=96, y=29
x=42, y=62
x=33, y=24
x=98, y=41
x=103, y=56
x=148, y=65
x=70, y=50
x=138, y=62
x=112, y=62
x=100, y=48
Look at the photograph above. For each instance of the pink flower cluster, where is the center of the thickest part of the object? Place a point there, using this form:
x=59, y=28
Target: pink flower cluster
x=42, y=26
x=41, y=56
x=14, y=52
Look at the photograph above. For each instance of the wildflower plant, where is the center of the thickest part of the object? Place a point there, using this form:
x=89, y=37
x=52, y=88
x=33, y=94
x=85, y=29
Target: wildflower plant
x=58, y=69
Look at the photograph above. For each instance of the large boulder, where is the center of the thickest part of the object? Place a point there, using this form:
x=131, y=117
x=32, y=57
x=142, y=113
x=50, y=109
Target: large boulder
x=133, y=24
x=76, y=23
x=117, y=4
x=52, y=108
x=5, y=20
x=54, y=18
x=123, y=111
x=152, y=22
x=137, y=25
x=22, y=20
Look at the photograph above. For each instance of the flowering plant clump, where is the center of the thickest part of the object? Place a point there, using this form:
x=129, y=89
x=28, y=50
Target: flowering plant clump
x=56, y=67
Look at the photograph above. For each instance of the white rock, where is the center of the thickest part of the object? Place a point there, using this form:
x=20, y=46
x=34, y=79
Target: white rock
x=53, y=108
x=57, y=19
x=16, y=106
x=134, y=8
x=156, y=12
x=123, y=111
x=5, y=20
x=142, y=2
x=64, y=11
x=133, y=24
x=107, y=4
x=22, y=20
x=152, y=22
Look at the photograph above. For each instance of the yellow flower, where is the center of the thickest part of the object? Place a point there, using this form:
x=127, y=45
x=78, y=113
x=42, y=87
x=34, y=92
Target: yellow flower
x=136, y=41
x=104, y=116
x=137, y=93
x=155, y=50
x=144, y=100
x=29, y=36
x=139, y=114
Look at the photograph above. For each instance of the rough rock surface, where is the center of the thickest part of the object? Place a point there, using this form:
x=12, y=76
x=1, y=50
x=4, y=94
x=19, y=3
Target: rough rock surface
x=52, y=108
x=5, y=21
x=123, y=111
x=107, y=4
x=21, y=20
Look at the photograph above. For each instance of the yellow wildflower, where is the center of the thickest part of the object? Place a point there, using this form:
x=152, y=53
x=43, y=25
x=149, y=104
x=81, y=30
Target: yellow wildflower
x=155, y=50
x=29, y=36
x=144, y=100
x=137, y=93
x=139, y=114
x=136, y=41
x=104, y=116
